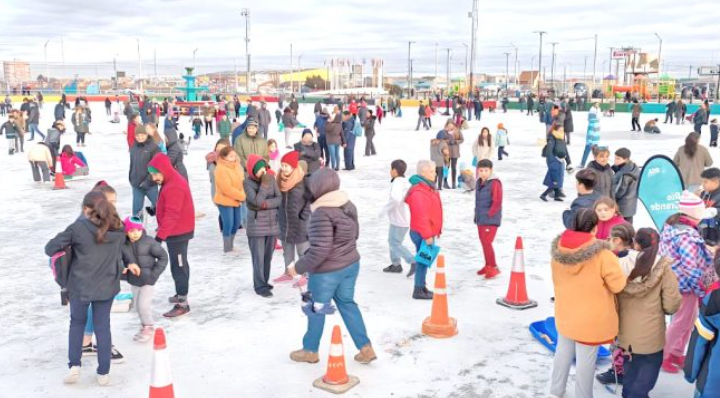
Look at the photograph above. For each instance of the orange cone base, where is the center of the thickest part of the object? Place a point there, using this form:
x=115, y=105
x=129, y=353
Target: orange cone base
x=440, y=331
x=517, y=306
x=337, y=388
x=162, y=392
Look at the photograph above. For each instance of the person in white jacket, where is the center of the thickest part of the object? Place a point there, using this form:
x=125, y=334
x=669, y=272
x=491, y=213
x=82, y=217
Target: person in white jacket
x=399, y=214
x=483, y=147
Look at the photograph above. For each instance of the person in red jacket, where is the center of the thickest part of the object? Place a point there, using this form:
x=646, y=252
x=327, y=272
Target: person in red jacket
x=426, y=218
x=132, y=125
x=353, y=108
x=176, y=225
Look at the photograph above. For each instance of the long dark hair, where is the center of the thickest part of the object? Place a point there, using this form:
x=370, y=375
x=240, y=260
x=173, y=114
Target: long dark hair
x=691, y=144
x=489, y=137
x=649, y=241
x=585, y=220
x=102, y=214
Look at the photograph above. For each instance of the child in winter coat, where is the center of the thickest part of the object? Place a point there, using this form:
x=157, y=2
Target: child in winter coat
x=224, y=127
x=601, y=166
x=691, y=261
x=10, y=133
x=468, y=180
x=399, y=214
x=71, y=165
x=710, y=195
x=501, y=140
x=650, y=295
x=586, y=195
x=438, y=153
x=488, y=214
x=483, y=146
x=703, y=355
x=228, y=193
x=714, y=128
x=274, y=154
x=150, y=261
x=196, y=126
x=625, y=183
x=608, y=216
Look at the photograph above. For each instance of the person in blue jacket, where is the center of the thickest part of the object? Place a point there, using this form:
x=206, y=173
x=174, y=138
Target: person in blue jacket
x=702, y=363
x=349, y=152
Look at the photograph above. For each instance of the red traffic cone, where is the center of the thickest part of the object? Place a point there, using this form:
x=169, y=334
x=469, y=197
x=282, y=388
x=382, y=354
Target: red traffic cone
x=336, y=379
x=161, y=385
x=517, y=297
x=59, y=178
x=439, y=324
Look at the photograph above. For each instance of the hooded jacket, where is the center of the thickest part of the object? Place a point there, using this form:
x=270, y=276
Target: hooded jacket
x=604, y=182
x=643, y=305
x=586, y=276
x=229, y=179
x=175, y=210
x=436, y=152
x=149, y=255
x=454, y=141
x=702, y=364
x=426, y=212
x=333, y=229
x=95, y=269
x=263, y=201
x=625, y=186
x=140, y=156
x=295, y=213
x=247, y=145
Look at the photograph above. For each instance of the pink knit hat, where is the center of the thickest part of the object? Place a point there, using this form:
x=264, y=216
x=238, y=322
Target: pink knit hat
x=133, y=223
x=692, y=206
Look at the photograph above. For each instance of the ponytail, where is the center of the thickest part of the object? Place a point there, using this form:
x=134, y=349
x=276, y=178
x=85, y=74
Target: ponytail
x=649, y=242
x=102, y=214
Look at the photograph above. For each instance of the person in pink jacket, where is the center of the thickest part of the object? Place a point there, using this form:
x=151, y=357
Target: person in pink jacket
x=71, y=164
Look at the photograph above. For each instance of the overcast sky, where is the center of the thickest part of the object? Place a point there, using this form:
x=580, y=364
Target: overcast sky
x=95, y=31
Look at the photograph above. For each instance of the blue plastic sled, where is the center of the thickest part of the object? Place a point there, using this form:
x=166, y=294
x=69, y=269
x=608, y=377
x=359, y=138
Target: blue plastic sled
x=546, y=333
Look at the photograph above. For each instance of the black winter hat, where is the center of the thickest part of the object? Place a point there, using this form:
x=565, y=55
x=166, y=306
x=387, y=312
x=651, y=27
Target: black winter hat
x=623, y=153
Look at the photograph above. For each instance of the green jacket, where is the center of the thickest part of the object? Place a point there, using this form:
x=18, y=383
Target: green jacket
x=224, y=128
x=246, y=146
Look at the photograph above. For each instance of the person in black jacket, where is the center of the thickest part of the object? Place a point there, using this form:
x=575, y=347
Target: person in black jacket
x=175, y=151
x=59, y=111
x=309, y=150
x=94, y=278
x=421, y=118
x=370, y=134
x=149, y=256
x=587, y=197
x=142, y=184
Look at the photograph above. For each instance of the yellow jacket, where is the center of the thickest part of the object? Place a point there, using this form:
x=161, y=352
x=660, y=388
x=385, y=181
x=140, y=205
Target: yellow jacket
x=229, y=178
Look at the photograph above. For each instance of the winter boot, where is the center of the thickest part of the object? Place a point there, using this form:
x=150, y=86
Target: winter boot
x=410, y=273
x=232, y=242
x=421, y=293
x=227, y=244
x=492, y=272
x=609, y=377
x=366, y=355
x=305, y=356
x=103, y=380
x=558, y=196
x=73, y=375
x=394, y=269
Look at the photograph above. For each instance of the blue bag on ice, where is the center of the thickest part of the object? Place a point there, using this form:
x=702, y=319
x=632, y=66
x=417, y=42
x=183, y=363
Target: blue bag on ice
x=357, y=129
x=427, y=254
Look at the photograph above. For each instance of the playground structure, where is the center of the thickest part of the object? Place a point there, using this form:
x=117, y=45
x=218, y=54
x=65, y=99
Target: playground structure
x=641, y=86
x=190, y=88
x=666, y=87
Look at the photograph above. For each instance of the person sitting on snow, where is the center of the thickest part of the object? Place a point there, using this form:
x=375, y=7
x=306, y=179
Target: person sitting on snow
x=651, y=127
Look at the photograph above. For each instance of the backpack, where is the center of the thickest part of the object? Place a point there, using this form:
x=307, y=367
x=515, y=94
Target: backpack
x=560, y=150
x=60, y=265
x=357, y=129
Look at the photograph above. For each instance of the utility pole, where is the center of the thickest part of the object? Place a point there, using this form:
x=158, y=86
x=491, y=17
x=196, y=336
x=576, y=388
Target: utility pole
x=62, y=53
x=47, y=74
x=447, y=90
x=507, y=70
x=552, y=68
x=237, y=83
x=437, y=59
x=659, y=64
x=292, y=74
x=115, y=80
x=610, y=61
x=473, y=45
x=246, y=13
x=465, y=77
x=516, y=63
x=155, y=62
x=541, y=33
x=594, y=65
x=585, y=68
x=409, y=76
x=139, y=67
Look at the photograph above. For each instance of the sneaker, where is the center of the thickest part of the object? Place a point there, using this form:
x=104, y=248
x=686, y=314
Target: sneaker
x=421, y=293
x=412, y=270
x=609, y=377
x=301, y=282
x=558, y=199
x=393, y=269
x=103, y=380
x=145, y=334
x=177, y=311
x=305, y=356
x=366, y=355
x=543, y=198
x=284, y=278
x=89, y=350
x=492, y=272
x=115, y=356
x=73, y=375
x=483, y=270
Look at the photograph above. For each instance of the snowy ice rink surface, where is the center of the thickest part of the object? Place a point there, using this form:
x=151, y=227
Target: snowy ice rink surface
x=235, y=343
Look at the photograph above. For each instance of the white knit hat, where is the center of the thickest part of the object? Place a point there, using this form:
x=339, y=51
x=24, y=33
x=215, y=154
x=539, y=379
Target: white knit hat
x=692, y=206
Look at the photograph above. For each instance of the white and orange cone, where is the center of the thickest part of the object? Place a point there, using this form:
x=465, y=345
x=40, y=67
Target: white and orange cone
x=161, y=385
x=336, y=380
x=517, y=297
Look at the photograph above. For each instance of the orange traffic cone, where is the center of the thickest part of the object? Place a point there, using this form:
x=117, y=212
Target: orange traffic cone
x=59, y=178
x=517, y=296
x=439, y=324
x=161, y=385
x=336, y=379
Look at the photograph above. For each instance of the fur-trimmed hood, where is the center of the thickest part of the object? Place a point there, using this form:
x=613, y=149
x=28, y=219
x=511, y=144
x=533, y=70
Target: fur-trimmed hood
x=575, y=257
x=639, y=287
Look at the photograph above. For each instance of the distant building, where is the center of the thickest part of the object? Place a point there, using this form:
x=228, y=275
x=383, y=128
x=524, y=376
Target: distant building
x=16, y=71
x=529, y=78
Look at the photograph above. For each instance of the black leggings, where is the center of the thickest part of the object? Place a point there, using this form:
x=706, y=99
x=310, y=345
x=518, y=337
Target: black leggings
x=453, y=171
x=636, y=123
x=208, y=124
x=439, y=172
x=178, y=252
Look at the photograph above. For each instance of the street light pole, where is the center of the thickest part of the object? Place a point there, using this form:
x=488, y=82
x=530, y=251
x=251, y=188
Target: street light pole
x=437, y=59
x=447, y=88
x=246, y=13
x=541, y=33
x=409, y=75
x=115, y=81
x=46, y=64
x=473, y=45
x=507, y=70
x=552, y=68
x=292, y=74
x=466, y=66
x=516, y=63
x=594, y=65
x=659, y=64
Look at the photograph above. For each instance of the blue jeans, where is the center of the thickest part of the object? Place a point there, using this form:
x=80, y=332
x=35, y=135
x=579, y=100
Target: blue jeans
x=33, y=128
x=139, y=195
x=397, y=250
x=420, y=270
x=588, y=149
x=230, y=220
x=349, y=153
x=243, y=215
x=338, y=286
x=101, y=322
x=334, y=156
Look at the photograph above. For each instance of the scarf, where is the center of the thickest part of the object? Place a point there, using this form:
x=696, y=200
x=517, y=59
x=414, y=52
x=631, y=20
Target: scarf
x=330, y=199
x=211, y=157
x=274, y=154
x=289, y=182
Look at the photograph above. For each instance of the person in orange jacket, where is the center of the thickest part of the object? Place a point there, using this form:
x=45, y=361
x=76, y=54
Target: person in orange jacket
x=229, y=194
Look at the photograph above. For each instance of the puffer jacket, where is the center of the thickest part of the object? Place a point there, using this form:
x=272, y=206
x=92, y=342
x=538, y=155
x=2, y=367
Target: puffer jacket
x=294, y=214
x=140, y=156
x=175, y=210
x=604, y=182
x=310, y=154
x=175, y=152
x=334, y=132
x=40, y=152
x=426, y=212
x=149, y=255
x=228, y=178
x=586, y=276
x=263, y=200
x=333, y=229
x=643, y=305
x=625, y=185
